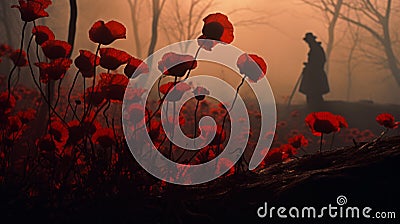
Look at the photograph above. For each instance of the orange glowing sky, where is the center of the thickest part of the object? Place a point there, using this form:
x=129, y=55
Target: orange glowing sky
x=280, y=44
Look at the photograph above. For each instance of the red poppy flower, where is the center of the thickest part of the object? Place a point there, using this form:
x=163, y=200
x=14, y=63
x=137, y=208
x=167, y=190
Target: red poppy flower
x=281, y=124
x=298, y=141
x=14, y=123
x=104, y=137
x=175, y=93
x=85, y=63
x=42, y=34
x=113, y=86
x=169, y=124
x=95, y=98
x=135, y=67
x=32, y=9
x=15, y=55
x=27, y=115
x=367, y=134
x=288, y=150
x=135, y=113
x=200, y=93
x=76, y=130
x=387, y=120
x=322, y=123
x=5, y=50
x=342, y=121
x=106, y=33
x=112, y=58
x=274, y=156
x=135, y=95
x=252, y=66
x=225, y=163
x=173, y=64
x=54, y=70
x=205, y=43
x=54, y=49
x=154, y=129
x=218, y=27
x=59, y=132
x=46, y=144
x=354, y=131
x=205, y=154
x=6, y=104
x=220, y=135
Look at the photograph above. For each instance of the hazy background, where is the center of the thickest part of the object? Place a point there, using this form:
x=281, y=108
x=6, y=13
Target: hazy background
x=272, y=29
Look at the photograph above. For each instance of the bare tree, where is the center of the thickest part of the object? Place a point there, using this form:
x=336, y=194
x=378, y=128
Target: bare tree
x=354, y=33
x=331, y=10
x=185, y=24
x=374, y=17
x=135, y=6
x=157, y=7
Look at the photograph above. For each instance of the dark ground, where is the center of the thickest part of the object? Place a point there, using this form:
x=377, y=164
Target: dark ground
x=367, y=177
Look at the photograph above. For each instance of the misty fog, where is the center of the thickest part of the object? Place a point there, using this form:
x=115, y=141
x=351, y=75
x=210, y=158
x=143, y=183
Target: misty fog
x=269, y=28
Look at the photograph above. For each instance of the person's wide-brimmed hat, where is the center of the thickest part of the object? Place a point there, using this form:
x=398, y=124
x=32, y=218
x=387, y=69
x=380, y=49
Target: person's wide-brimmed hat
x=309, y=36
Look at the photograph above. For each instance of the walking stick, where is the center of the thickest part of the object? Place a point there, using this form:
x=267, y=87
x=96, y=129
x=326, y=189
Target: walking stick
x=295, y=89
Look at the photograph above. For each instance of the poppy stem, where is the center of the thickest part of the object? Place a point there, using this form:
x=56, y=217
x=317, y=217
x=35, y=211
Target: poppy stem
x=39, y=86
x=227, y=111
x=84, y=94
x=58, y=92
x=18, y=76
x=158, y=87
x=162, y=143
x=155, y=112
x=105, y=113
x=193, y=63
x=333, y=139
x=195, y=123
x=97, y=112
x=115, y=135
x=173, y=122
x=70, y=93
x=49, y=106
x=320, y=142
x=37, y=45
x=18, y=59
x=193, y=156
x=93, y=82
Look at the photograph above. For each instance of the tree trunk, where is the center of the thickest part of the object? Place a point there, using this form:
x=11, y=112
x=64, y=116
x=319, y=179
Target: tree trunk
x=135, y=25
x=331, y=32
x=154, y=27
x=388, y=45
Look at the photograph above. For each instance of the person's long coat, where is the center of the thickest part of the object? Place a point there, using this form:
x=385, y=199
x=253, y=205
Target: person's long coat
x=315, y=81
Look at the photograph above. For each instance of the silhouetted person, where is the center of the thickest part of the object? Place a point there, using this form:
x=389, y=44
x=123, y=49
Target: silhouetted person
x=314, y=83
